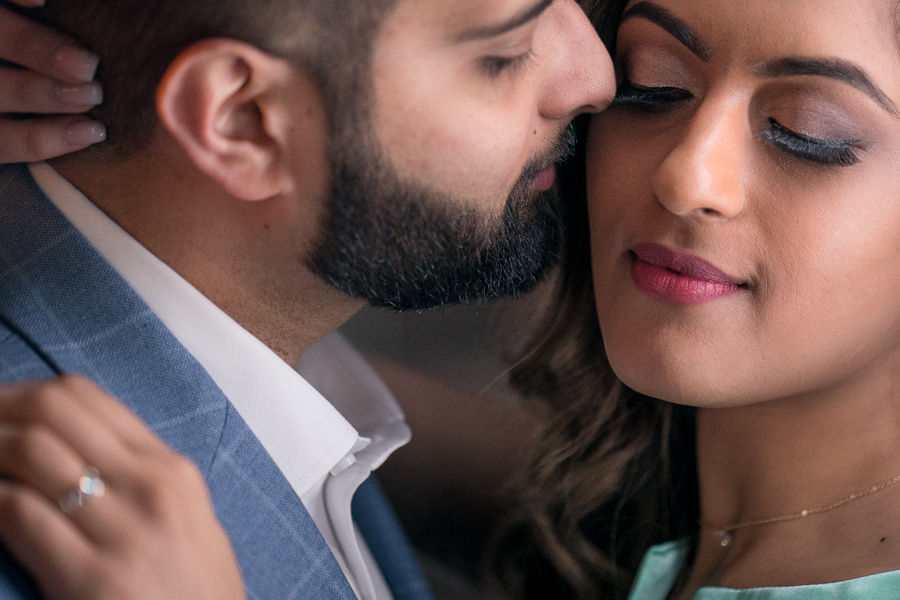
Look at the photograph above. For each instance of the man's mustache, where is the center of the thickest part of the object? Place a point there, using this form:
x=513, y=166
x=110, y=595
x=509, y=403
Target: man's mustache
x=561, y=150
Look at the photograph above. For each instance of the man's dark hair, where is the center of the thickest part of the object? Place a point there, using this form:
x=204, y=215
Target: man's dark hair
x=138, y=39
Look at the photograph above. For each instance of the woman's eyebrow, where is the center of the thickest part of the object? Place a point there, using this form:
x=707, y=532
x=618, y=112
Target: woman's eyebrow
x=832, y=68
x=529, y=14
x=674, y=26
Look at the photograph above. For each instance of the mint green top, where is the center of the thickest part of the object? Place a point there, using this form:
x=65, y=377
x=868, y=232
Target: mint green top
x=663, y=564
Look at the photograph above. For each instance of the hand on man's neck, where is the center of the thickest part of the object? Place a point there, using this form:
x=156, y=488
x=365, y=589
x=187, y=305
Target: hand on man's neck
x=241, y=255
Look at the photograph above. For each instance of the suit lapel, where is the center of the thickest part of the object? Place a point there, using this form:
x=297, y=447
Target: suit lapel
x=56, y=290
x=379, y=527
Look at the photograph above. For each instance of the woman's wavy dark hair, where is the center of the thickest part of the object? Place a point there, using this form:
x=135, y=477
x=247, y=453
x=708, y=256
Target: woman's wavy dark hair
x=615, y=471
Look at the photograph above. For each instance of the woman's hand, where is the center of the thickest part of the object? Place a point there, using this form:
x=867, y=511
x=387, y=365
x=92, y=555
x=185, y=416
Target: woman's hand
x=151, y=534
x=55, y=79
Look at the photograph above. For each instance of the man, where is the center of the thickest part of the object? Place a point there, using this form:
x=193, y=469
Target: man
x=271, y=167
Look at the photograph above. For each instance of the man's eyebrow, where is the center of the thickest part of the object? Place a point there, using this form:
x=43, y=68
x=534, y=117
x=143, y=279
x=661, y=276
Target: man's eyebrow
x=832, y=68
x=491, y=31
x=674, y=26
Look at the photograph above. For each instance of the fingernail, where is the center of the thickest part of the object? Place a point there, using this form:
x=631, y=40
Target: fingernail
x=76, y=63
x=84, y=94
x=85, y=133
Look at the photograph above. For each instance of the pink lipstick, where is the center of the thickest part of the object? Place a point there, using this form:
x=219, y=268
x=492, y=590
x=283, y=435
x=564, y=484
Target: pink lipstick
x=675, y=276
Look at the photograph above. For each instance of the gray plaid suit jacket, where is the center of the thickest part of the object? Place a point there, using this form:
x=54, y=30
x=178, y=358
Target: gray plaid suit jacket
x=64, y=309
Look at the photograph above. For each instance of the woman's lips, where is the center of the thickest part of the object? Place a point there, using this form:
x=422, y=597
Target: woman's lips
x=674, y=276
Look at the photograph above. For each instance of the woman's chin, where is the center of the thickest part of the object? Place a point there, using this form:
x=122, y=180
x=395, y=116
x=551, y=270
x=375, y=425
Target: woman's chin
x=677, y=383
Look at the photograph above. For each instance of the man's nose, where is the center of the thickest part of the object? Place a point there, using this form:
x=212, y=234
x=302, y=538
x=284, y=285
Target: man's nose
x=581, y=74
x=701, y=175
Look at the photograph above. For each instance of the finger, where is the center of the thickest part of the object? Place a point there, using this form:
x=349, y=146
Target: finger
x=34, y=455
x=41, y=49
x=47, y=544
x=39, y=139
x=54, y=406
x=104, y=434
x=27, y=92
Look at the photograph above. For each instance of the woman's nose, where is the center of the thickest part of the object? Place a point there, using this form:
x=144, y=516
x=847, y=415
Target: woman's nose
x=701, y=176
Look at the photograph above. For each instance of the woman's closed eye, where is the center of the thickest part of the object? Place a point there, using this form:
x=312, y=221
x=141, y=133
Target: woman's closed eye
x=650, y=99
x=822, y=151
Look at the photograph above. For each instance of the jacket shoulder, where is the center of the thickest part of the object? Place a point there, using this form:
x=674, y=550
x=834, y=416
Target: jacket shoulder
x=18, y=361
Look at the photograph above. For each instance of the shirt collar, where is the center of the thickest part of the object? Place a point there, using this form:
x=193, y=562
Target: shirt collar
x=359, y=394
x=303, y=432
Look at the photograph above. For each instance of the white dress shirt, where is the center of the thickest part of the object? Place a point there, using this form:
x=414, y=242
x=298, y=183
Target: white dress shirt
x=325, y=449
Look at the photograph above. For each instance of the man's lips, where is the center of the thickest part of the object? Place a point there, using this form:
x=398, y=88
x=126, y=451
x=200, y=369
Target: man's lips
x=676, y=276
x=545, y=179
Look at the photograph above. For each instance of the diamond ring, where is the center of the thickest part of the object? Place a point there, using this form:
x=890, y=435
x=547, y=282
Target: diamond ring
x=89, y=486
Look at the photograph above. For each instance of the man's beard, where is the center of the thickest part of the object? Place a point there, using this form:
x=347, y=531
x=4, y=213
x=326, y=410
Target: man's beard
x=398, y=245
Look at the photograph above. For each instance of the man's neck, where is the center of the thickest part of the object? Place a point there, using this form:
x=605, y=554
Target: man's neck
x=247, y=258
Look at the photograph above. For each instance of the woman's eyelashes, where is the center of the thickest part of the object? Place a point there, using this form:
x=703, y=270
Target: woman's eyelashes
x=822, y=151
x=652, y=99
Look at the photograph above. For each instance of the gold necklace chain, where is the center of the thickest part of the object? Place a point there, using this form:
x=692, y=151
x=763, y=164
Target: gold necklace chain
x=726, y=533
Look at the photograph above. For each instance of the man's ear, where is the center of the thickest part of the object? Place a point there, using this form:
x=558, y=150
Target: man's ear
x=232, y=108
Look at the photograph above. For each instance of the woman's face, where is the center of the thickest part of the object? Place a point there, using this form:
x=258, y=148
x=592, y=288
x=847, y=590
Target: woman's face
x=745, y=199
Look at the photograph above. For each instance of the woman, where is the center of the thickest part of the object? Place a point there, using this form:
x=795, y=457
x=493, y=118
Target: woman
x=743, y=205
